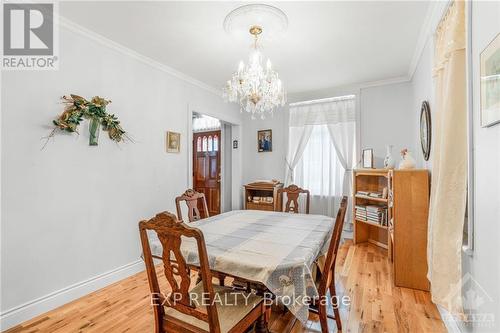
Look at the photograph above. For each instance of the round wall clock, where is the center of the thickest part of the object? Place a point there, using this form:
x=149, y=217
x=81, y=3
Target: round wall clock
x=425, y=129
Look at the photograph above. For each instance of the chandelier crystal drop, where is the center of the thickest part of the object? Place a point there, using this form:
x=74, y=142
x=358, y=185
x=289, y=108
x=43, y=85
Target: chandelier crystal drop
x=256, y=88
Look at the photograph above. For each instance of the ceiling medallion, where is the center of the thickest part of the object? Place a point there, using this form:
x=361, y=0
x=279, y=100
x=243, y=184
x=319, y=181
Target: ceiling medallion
x=256, y=89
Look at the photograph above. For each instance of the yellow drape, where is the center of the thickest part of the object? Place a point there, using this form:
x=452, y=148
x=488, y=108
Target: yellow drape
x=449, y=164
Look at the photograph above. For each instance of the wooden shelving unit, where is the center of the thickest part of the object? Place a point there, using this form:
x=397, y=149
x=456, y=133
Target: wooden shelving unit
x=372, y=223
x=371, y=180
x=371, y=198
x=405, y=236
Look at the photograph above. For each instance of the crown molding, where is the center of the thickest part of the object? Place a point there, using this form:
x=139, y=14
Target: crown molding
x=433, y=14
x=432, y=18
x=74, y=27
x=354, y=88
x=384, y=82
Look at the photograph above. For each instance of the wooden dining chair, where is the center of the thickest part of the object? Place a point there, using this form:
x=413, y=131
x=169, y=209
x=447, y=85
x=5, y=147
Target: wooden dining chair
x=292, y=194
x=180, y=310
x=327, y=281
x=192, y=199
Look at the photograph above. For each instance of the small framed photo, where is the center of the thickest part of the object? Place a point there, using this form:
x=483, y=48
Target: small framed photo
x=367, y=158
x=173, y=142
x=490, y=83
x=264, y=141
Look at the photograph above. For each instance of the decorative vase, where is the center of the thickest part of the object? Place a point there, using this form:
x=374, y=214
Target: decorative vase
x=389, y=162
x=94, y=131
x=407, y=162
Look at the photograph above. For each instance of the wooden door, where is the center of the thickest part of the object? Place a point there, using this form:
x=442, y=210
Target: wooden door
x=206, y=168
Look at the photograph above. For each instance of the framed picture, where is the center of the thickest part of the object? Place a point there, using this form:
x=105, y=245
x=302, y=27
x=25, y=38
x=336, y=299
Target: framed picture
x=173, y=142
x=490, y=83
x=367, y=158
x=264, y=141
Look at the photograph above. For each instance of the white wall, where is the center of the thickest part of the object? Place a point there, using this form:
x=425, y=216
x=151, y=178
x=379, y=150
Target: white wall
x=264, y=165
x=422, y=90
x=70, y=211
x=385, y=117
x=483, y=265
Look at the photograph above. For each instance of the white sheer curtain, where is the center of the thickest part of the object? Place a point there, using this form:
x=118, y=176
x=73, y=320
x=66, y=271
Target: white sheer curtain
x=343, y=135
x=320, y=171
x=322, y=150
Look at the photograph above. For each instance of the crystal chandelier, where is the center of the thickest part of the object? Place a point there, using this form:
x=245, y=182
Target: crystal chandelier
x=257, y=89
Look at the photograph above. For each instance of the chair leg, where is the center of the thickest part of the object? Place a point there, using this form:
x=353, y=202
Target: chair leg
x=323, y=318
x=261, y=324
x=336, y=312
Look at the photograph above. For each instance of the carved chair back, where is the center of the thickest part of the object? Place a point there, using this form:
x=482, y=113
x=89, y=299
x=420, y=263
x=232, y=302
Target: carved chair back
x=292, y=193
x=192, y=199
x=169, y=230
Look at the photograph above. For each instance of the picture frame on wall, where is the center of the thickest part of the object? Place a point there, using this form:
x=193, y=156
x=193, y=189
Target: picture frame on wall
x=367, y=158
x=490, y=83
x=173, y=142
x=425, y=129
x=265, y=141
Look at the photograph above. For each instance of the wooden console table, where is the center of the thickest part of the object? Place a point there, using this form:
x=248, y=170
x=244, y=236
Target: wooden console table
x=263, y=190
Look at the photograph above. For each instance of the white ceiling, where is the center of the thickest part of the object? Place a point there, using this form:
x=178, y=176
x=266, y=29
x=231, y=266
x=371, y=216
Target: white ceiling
x=327, y=44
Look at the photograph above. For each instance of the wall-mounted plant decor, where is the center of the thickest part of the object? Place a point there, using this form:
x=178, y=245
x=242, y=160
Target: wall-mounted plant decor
x=78, y=108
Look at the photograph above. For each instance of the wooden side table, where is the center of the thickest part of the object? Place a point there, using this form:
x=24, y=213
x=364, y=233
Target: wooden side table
x=264, y=191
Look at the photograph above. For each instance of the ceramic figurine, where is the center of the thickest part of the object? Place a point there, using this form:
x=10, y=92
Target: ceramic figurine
x=407, y=161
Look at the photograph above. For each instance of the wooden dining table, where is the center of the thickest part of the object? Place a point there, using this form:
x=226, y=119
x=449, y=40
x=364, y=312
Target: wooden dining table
x=277, y=250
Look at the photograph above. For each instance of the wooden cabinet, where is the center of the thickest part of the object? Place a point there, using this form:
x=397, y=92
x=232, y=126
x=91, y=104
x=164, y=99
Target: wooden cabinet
x=410, y=201
x=264, y=191
x=404, y=231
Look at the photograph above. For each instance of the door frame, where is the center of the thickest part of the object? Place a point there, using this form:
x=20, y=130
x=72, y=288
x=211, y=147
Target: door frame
x=237, y=193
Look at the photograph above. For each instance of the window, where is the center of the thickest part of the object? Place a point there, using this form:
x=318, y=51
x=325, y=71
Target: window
x=321, y=146
x=204, y=143
x=319, y=165
x=202, y=123
x=198, y=144
x=210, y=144
x=216, y=142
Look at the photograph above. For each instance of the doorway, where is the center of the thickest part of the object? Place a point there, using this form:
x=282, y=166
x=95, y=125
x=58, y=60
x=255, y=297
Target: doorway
x=207, y=168
x=211, y=166
x=230, y=193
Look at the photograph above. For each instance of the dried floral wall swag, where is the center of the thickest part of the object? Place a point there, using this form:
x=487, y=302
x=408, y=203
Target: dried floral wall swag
x=78, y=108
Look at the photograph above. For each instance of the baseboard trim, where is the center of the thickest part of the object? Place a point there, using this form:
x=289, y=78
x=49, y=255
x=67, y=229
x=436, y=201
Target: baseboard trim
x=31, y=309
x=452, y=326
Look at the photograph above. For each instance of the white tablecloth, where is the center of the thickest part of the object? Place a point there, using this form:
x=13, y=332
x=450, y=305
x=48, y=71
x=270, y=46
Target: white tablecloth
x=276, y=249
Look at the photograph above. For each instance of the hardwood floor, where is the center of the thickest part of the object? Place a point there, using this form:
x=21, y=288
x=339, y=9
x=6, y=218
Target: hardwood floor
x=363, y=273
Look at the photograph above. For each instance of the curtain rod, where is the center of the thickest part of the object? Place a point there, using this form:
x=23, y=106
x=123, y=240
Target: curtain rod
x=323, y=100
